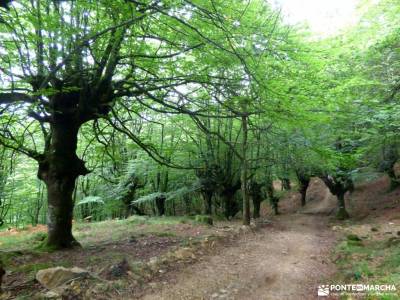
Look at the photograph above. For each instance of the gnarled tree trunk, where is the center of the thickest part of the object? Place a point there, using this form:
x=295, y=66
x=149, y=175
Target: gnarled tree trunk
x=394, y=180
x=256, y=196
x=256, y=207
x=304, y=182
x=59, y=167
x=274, y=201
x=229, y=203
x=387, y=165
x=339, y=186
x=285, y=184
x=207, y=197
x=160, y=204
x=342, y=213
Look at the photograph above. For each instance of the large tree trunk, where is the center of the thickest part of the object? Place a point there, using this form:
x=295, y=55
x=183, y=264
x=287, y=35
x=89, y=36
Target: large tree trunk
x=274, y=201
x=303, y=193
x=390, y=157
x=127, y=208
x=160, y=203
x=60, y=211
x=286, y=186
x=59, y=168
x=304, y=182
x=231, y=207
x=342, y=214
x=256, y=196
x=394, y=180
x=256, y=207
x=339, y=189
x=207, y=196
x=138, y=210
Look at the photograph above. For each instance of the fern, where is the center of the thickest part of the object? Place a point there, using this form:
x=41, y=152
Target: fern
x=91, y=199
x=170, y=195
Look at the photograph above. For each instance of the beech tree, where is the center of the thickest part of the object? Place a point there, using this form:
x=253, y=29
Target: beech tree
x=65, y=64
x=209, y=100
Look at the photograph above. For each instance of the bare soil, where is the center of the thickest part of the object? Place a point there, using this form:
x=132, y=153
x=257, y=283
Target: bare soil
x=286, y=260
x=100, y=252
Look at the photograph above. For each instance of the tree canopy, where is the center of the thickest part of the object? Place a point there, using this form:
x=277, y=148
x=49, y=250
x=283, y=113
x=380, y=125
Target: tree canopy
x=186, y=107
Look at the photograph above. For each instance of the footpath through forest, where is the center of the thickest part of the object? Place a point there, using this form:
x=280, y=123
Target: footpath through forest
x=286, y=260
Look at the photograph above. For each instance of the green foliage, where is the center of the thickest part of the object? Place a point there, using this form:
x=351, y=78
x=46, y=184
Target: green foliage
x=364, y=264
x=165, y=89
x=90, y=200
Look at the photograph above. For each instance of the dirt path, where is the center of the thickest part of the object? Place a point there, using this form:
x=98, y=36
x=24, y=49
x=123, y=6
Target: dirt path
x=286, y=260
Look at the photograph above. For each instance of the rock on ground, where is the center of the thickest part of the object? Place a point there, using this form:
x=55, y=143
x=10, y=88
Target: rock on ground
x=55, y=277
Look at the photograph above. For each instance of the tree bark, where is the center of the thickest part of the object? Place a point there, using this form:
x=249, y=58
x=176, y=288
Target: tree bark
x=274, y=201
x=160, y=203
x=304, y=183
x=231, y=207
x=339, y=188
x=207, y=196
x=138, y=210
x=60, y=211
x=243, y=176
x=256, y=196
x=285, y=184
x=342, y=214
x=256, y=207
x=394, y=181
x=59, y=168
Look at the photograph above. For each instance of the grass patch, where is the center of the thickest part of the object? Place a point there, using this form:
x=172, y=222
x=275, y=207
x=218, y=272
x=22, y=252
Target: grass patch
x=32, y=268
x=6, y=257
x=21, y=240
x=115, y=230
x=369, y=262
x=43, y=246
x=165, y=234
x=92, y=233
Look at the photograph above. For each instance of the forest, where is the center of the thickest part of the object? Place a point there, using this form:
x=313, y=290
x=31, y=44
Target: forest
x=141, y=127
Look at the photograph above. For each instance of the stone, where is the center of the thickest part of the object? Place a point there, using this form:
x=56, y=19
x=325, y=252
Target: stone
x=153, y=264
x=184, y=254
x=55, y=277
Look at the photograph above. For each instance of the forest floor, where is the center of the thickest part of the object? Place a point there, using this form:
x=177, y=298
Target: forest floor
x=283, y=257
x=300, y=250
x=286, y=260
